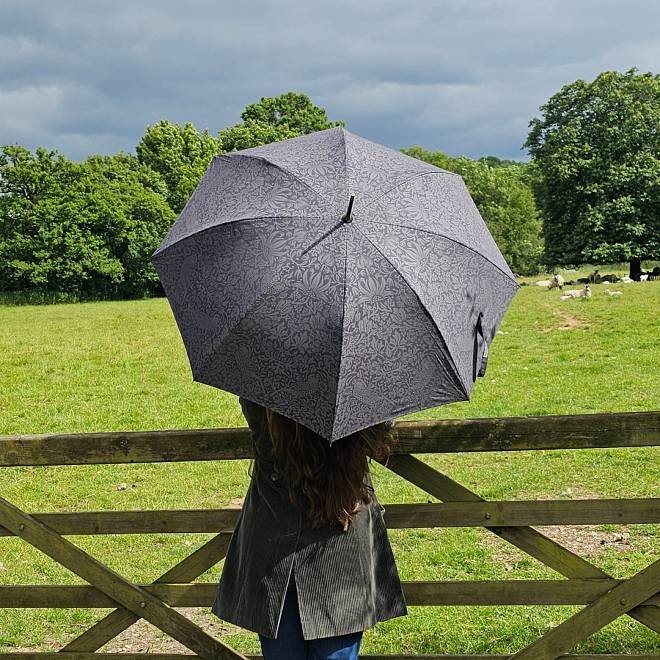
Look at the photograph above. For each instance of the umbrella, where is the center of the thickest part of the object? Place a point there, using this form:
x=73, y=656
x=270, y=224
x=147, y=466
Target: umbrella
x=334, y=280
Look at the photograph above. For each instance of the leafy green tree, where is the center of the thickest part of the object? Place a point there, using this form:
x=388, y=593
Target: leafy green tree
x=138, y=221
x=84, y=228
x=597, y=151
x=180, y=154
x=248, y=134
x=505, y=201
x=47, y=239
x=494, y=161
x=273, y=119
x=437, y=158
x=291, y=109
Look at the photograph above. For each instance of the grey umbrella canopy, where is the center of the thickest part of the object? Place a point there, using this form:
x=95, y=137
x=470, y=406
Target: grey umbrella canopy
x=334, y=280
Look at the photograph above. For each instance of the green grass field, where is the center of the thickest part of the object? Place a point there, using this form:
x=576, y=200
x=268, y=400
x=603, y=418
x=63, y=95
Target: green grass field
x=122, y=366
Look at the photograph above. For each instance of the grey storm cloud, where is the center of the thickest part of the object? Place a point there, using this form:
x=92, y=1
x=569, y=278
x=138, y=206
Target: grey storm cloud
x=465, y=77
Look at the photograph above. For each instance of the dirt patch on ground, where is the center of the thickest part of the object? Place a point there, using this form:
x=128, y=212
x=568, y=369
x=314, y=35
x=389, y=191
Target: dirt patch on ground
x=566, y=319
x=142, y=637
x=583, y=540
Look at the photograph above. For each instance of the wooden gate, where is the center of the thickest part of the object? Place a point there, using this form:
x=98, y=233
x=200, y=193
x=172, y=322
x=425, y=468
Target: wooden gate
x=605, y=597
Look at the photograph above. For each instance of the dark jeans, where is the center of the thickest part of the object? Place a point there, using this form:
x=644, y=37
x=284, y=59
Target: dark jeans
x=290, y=644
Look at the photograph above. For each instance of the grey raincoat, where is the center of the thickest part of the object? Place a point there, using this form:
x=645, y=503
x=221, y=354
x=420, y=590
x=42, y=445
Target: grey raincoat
x=346, y=581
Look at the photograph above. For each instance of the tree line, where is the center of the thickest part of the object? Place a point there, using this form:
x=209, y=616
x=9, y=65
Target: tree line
x=590, y=193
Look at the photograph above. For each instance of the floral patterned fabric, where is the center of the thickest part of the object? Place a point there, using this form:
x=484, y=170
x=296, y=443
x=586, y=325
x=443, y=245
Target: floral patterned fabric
x=338, y=325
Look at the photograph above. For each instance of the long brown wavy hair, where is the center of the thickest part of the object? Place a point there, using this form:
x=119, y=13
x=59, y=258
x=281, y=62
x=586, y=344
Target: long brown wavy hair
x=327, y=480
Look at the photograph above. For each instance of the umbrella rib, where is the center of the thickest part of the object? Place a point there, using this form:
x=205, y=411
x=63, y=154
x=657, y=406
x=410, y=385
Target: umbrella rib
x=448, y=238
x=289, y=172
x=401, y=183
x=454, y=371
x=233, y=221
x=343, y=316
x=262, y=294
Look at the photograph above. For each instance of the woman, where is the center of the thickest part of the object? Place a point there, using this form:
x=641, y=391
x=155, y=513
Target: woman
x=309, y=566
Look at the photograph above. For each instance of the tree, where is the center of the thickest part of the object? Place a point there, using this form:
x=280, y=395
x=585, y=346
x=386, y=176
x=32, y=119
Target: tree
x=505, y=201
x=596, y=149
x=180, y=154
x=47, y=240
x=84, y=228
x=273, y=119
x=494, y=161
x=138, y=220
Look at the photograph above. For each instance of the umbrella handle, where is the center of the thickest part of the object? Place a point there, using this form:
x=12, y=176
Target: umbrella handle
x=484, y=356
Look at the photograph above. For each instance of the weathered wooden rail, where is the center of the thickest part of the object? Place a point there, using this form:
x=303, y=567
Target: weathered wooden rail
x=604, y=596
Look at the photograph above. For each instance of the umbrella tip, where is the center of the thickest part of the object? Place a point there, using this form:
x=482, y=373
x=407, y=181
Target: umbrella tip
x=347, y=217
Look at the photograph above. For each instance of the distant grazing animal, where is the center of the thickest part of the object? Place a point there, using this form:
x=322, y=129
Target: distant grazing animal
x=543, y=283
x=556, y=281
x=577, y=293
x=613, y=293
x=597, y=278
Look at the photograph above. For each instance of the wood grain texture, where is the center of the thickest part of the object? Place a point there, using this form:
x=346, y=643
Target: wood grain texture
x=120, y=619
x=604, y=597
x=430, y=593
x=512, y=513
x=594, y=616
x=527, y=539
x=638, y=429
x=139, y=601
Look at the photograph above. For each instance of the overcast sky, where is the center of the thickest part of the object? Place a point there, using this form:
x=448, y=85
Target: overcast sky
x=462, y=76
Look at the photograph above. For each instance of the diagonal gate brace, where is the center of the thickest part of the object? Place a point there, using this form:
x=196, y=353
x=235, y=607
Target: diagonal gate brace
x=118, y=620
x=538, y=545
x=594, y=616
x=127, y=594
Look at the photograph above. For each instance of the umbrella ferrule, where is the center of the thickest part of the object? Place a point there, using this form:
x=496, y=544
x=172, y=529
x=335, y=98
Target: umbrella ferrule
x=347, y=217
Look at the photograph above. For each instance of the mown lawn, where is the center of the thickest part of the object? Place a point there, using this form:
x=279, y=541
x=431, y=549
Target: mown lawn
x=122, y=366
